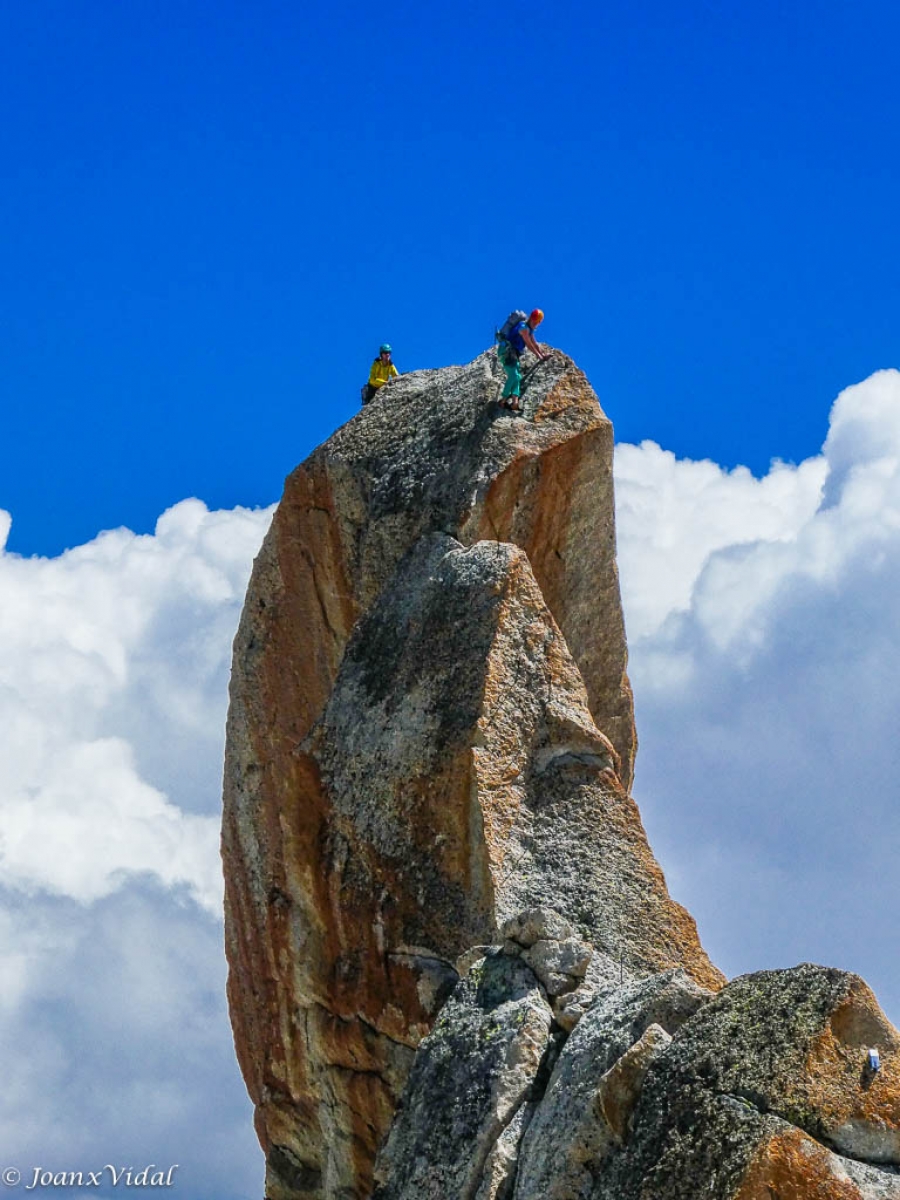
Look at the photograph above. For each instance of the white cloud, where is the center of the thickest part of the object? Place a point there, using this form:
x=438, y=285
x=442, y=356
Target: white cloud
x=88, y=821
x=765, y=656
x=672, y=515
x=114, y=663
x=115, y=1043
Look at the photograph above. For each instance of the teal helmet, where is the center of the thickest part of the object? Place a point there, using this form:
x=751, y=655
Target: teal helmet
x=384, y=348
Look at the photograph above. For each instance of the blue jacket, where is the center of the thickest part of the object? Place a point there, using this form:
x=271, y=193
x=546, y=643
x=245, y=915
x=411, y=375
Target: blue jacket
x=516, y=340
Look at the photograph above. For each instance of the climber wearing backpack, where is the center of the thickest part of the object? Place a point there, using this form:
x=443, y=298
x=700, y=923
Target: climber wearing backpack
x=383, y=371
x=515, y=337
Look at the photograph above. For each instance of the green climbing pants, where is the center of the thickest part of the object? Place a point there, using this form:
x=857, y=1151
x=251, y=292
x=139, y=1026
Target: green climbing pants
x=513, y=384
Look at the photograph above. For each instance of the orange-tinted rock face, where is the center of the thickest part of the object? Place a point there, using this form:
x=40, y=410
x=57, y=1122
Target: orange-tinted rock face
x=791, y=1166
x=429, y=726
x=859, y=1108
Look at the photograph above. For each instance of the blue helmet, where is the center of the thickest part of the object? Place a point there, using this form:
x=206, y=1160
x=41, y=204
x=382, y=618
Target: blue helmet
x=385, y=349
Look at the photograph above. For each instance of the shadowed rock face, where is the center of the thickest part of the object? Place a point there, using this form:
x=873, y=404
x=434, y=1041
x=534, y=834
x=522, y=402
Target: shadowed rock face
x=500, y=1016
x=430, y=730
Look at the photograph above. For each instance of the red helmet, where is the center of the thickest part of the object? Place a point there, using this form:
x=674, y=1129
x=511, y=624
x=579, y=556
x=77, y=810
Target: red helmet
x=535, y=319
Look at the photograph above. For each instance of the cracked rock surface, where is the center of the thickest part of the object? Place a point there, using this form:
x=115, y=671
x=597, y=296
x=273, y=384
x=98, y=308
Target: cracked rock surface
x=474, y=1073
x=454, y=966
x=666, y=1091
x=569, y=1136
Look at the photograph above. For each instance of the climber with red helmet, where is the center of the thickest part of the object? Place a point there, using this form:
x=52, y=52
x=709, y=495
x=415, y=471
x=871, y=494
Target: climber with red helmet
x=383, y=371
x=517, y=336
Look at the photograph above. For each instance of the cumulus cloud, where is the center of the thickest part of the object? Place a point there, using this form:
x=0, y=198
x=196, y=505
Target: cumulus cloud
x=764, y=639
x=115, y=1043
x=114, y=661
x=674, y=514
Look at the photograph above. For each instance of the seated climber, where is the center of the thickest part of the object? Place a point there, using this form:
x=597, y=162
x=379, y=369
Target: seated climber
x=517, y=336
x=383, y=371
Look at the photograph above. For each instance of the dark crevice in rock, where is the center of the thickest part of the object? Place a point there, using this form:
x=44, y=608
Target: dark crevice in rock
x=531, y=1099
x=304, y=1177
x=840, y=1152
x=757, y=1103
x=360, y=1072
x=320, y=600
x=416, y=956
x=357, y=1018
x=883, y=1168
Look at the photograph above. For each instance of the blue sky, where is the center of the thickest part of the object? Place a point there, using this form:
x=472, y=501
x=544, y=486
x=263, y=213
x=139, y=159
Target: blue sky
x=214, y=214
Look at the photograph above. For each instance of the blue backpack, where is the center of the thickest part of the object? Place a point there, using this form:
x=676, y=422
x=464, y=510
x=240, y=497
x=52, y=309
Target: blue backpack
x=503, y=334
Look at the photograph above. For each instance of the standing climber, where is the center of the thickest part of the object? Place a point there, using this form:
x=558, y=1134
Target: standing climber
x=515, y=337
x=383, y=371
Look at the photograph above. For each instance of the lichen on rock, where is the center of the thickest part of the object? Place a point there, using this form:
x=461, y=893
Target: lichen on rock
x=473, y=1074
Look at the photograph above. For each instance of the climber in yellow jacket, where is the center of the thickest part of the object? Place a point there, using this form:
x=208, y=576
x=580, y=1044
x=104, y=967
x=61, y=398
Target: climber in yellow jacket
x=383, y=371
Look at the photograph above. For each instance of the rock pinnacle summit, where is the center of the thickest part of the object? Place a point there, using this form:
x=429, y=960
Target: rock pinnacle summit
x=454, y=966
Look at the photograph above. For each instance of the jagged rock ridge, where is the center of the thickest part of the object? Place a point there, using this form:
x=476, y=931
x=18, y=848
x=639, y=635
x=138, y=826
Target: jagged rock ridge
x=430, y=743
